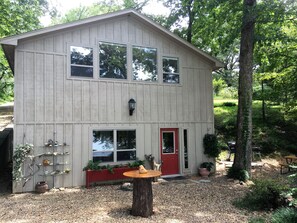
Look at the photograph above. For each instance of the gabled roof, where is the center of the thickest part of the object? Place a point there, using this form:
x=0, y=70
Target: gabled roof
x=9, y=43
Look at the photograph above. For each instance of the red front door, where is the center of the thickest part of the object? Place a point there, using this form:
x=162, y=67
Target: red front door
x=169, y=151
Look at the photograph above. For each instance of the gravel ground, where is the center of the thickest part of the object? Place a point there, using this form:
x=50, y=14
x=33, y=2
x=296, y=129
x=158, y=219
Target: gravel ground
x=188, y=200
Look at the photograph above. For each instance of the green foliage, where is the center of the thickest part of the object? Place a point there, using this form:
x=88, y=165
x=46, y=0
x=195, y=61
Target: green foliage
x=210, y=144
x=92, y=165
x=136, y=163
x=207, y=165
x=20, y=154
x=229, y=104
x=265, y=194
x=97, y=165
x=229, y=92
x=257, y=220
x=288, y=215
x=99, y=8
x=218, y=85
x=16, y=17
x=276, y=133
x=238, y=174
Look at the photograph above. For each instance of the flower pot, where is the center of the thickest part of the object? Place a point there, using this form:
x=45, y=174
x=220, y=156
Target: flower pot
x=203, y=172
x=41, y=187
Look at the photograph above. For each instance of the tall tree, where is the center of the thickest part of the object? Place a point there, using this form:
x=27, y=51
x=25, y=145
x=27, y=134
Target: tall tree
x=16, y=16
x=243, y=154
x=99, y=8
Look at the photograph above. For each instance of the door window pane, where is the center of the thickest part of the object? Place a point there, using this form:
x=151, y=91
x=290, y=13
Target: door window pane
x=113, y=60
x=168, y=142
x=144, y=64
x=186, y=149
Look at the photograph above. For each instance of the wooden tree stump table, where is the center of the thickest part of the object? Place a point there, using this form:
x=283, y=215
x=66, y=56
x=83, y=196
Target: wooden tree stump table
x=142, y=192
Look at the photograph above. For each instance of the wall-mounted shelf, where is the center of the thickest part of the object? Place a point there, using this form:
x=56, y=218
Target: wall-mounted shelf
x=53, y=161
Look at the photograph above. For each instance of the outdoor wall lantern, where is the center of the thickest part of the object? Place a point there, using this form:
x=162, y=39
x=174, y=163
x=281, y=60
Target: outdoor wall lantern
x=132, y=105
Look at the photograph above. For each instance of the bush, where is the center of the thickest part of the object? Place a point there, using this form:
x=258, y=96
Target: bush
x=257, y=220
x=288, y=215
x=229, y=104
x=229, y=92
x=210, y=144
x=264, y=195
x=238, y=174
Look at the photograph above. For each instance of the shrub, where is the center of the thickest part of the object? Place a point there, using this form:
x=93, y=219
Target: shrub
x=229, y=104
x=238, y=174
x=210, y=144
x=288, y=215
x=92, y=166
x=264, y=195
x=257, y=220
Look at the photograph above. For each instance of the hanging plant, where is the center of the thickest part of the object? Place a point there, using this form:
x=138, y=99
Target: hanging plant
x=210, y=144
x=21, y=152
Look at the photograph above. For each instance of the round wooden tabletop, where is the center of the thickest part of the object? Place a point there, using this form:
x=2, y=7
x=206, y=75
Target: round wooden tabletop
x=136, y=174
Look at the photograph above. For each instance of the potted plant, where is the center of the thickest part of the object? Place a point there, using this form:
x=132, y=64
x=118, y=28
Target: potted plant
x=103, y=173
x=205, y=168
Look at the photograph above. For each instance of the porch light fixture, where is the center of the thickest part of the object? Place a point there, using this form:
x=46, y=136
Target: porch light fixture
x=132, y=105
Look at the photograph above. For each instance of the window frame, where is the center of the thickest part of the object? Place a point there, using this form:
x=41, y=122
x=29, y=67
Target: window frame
x=157, y=64
x=114, y=150
x=69, y=64
x=178, y=69
x=99, y=42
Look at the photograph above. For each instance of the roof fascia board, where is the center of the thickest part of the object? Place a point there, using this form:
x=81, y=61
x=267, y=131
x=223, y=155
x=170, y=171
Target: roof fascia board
x=13, y=40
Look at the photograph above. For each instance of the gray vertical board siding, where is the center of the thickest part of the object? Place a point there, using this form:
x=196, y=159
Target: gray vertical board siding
x=86, y=101
x=40, y=87
x=29, y=87
x=47, y=100
x=59, y=87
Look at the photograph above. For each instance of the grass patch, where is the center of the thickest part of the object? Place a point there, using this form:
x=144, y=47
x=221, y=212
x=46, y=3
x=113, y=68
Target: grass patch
x=274, y=133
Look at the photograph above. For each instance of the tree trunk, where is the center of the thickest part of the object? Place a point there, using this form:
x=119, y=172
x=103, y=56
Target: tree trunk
x=191, y=19
x=142, y=197
x=243, y=154
x=263, y=102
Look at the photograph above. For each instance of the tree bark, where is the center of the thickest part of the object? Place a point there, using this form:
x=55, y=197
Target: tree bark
x=142, y=197
x=191, y=20
x=263, y=102
x=243, y=156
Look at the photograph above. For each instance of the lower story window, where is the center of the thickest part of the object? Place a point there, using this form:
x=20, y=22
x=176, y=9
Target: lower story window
x=114, y=145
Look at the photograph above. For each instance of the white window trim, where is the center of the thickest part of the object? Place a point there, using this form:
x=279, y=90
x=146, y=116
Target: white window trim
x=98, y=64
x=68, y=63
x=178, y=66
x=157, y=65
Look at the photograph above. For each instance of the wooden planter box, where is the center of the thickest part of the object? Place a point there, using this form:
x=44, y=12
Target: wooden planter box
x=105, y=175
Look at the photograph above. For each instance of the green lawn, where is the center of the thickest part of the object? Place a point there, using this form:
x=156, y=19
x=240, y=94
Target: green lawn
x=277, y=132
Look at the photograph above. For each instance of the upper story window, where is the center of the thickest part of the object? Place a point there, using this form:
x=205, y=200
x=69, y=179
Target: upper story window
x=113, y=60
x=170, y=70
x=144, y=64
x=114, y=145
x=81, y=60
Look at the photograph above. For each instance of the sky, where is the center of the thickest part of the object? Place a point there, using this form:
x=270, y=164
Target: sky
x=65, y=5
